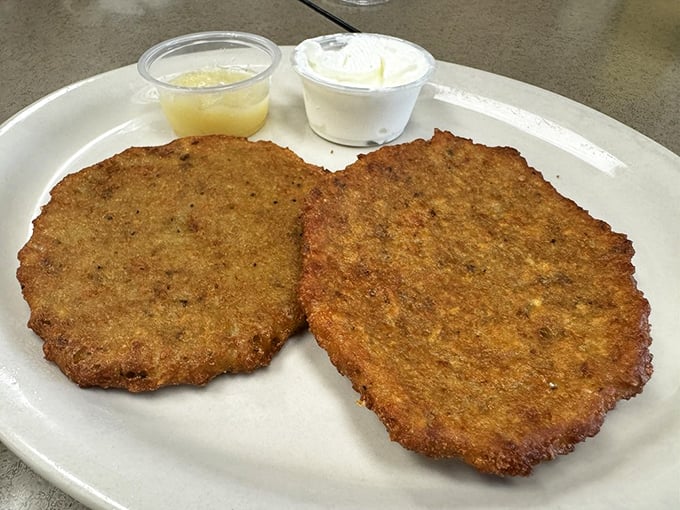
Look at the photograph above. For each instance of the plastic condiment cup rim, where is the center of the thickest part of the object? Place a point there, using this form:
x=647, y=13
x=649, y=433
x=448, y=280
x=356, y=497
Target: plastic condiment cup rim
x=305, y=72
x=253, y=40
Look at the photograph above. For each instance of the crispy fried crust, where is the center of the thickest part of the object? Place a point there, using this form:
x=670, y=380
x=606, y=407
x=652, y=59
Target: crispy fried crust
x=478, y=312
x=169, y=265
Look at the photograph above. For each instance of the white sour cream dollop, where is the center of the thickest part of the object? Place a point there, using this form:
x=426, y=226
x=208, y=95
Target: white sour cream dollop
x=369, y=61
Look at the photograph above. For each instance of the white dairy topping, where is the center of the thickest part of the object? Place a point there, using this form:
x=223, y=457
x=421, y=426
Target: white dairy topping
x=360, y=89
x=366, y=61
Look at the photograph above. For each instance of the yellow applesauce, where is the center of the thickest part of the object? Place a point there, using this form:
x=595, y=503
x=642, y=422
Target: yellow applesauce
x=238, y=112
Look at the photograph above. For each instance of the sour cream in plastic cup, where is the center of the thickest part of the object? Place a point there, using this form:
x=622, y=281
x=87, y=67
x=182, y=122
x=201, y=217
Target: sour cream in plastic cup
x=360, y=89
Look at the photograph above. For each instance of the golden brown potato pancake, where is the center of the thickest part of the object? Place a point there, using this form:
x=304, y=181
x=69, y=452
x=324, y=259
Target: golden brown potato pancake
x=169, y=265
x=478, y=312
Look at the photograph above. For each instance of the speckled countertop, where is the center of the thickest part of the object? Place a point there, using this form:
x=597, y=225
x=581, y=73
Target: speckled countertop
x=621, y=58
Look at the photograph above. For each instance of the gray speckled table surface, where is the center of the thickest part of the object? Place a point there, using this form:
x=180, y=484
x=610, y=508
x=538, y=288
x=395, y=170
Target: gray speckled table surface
x=621, y=58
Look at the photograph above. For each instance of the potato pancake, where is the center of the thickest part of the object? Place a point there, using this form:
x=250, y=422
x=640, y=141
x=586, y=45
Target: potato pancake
x=169, y=265
x=479, y=313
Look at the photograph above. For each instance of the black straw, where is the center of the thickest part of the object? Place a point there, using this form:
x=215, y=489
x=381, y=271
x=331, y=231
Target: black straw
x=330, y=16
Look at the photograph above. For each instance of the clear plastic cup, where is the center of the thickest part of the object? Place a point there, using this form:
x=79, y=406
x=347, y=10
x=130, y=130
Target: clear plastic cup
x=347, y=111
x=213, y=82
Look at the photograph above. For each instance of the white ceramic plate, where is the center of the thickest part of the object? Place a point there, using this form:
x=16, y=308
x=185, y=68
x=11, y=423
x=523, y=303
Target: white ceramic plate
x=292, y=435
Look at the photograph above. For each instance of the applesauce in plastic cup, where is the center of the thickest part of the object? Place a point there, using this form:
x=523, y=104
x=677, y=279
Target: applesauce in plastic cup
x=213, y=82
